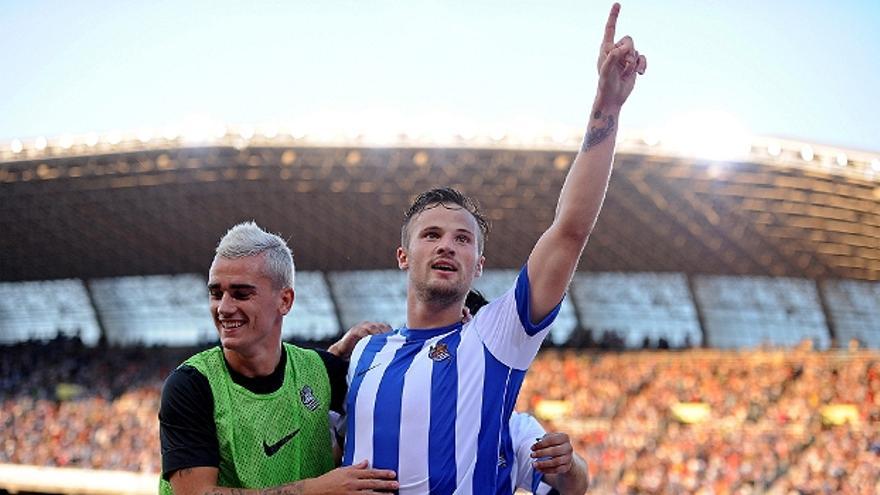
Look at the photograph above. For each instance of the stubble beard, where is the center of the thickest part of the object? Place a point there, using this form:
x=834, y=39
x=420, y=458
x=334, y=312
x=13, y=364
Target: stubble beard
x=439, y=296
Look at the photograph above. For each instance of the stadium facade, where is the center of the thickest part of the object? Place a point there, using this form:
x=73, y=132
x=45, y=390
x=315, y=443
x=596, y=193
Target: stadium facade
x=687, y=251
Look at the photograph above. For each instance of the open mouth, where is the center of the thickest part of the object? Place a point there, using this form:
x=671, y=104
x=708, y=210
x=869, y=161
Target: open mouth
x=444, y=266
x=231, y=324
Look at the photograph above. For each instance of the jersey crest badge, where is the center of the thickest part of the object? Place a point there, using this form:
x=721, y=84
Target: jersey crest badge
x=307, y=395
x=502, y=460
x=439, y=352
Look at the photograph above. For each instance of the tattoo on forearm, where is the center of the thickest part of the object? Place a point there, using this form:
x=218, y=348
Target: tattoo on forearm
x=597, y=133
x=293, y=489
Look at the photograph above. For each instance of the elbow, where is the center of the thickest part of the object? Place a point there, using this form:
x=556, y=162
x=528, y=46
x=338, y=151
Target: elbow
x=576, y=233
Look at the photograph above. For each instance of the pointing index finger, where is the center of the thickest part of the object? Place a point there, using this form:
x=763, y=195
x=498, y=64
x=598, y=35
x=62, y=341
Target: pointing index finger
x=611, y=25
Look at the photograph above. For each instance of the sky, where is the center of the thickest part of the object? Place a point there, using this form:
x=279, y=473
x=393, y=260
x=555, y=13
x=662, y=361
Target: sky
x=805, y=70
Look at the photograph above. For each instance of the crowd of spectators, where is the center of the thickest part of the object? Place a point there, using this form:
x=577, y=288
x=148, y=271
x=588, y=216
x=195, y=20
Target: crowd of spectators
x=763, y=429
x=65, y=404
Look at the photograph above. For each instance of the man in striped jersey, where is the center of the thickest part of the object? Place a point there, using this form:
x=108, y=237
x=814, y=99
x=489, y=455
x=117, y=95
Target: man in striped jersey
x=545, y=463
x=432, y=401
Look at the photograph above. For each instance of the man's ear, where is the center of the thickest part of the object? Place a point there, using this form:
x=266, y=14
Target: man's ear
x=287, y=297
x=402, y=259
x=479, y=271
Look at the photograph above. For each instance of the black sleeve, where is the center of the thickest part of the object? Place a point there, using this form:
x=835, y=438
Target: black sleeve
x=187, y=431
x=337, y=369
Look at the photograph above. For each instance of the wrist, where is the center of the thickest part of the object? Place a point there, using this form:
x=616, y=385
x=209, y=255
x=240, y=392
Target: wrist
x=604, y=106
x=302, y=487
x=601, y=124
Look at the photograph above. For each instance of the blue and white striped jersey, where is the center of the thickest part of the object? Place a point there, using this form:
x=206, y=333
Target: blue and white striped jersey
x=434, y=405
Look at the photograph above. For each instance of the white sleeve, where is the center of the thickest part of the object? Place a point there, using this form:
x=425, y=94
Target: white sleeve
x=504, y=325
x=524, y=432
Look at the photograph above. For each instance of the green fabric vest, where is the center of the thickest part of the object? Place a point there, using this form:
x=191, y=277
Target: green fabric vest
x=269, y=439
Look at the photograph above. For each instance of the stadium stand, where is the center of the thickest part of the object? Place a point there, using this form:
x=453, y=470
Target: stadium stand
x=753, y=311
x=772, y=215
x=854, y=309
x=169, y=310
x=172, y=310
x=42, y=310
x=314, y=316
x=376, y=295
x=744, y=260
x=715, y=421
x=69, y=405
x=638, y=307
x=758, y=421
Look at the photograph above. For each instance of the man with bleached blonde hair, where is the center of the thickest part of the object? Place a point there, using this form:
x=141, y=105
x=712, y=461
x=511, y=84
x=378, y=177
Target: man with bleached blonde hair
x=255, y=413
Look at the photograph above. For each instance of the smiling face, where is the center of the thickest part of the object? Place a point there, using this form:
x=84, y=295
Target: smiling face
x=247, y=310
x=442, y=255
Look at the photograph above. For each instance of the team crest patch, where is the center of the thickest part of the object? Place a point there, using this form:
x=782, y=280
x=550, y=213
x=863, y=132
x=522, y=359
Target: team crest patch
x=502, y=460
x=439, y=352
x=307, y=395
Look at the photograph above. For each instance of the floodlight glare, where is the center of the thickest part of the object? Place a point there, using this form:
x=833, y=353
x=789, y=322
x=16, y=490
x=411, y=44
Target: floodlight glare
x=169, y=133
x=145, y=135
x=560, y=135
x=807, y=153
x=651, y=139
x=708, y=134
x=16, y=146
x=498, y=135
x=65, y=141
x=270, y=132
x=246, y=132
x=40, y=143
x=219, y=131
x=196, y=129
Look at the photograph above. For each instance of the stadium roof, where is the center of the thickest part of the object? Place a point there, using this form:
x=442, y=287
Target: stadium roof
x=117, y=206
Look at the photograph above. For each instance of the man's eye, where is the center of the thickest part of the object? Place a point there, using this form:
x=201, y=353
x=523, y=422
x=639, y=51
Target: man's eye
x=463, y=238
x=241, y=295
x=215, y=294
x=432, y=235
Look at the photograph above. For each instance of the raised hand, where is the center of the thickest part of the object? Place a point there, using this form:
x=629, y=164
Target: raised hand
x=618, y=64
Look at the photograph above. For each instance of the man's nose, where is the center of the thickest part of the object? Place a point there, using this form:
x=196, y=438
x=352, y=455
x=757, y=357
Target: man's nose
x=446, y=245
x=226, y=306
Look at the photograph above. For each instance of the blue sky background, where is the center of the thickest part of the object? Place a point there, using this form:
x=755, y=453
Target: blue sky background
x=799, y=69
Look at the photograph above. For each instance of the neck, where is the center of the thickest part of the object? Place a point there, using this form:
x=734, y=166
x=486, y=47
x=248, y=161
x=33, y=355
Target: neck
x=424, y=314
x=261, y=362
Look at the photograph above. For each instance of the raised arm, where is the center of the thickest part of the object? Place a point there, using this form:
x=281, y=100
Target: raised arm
x=556, y=254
